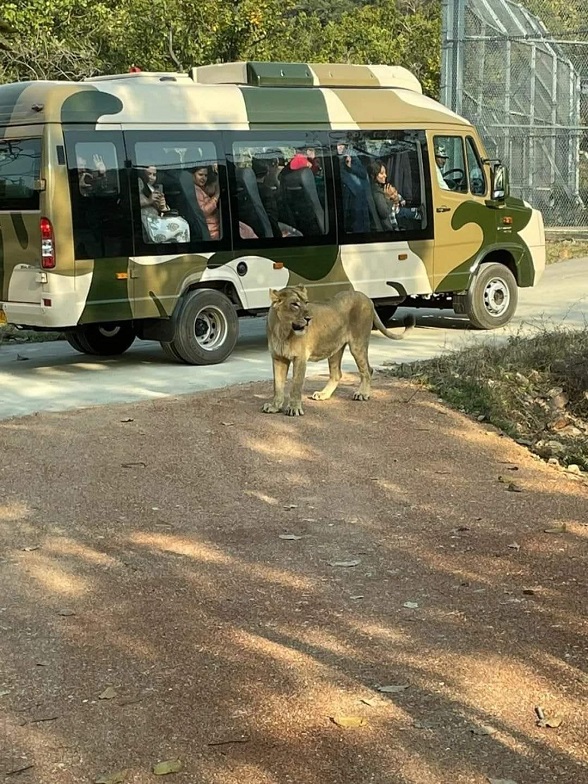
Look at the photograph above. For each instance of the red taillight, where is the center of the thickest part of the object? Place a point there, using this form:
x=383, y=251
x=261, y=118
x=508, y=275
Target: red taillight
x=47, y=245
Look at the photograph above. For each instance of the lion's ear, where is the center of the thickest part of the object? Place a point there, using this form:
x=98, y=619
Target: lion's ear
x=274, y=295
x=302, y=291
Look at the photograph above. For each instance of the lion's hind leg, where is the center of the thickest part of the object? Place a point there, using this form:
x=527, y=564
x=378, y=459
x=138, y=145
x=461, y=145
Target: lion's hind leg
x=334, y=376
x=359, y=352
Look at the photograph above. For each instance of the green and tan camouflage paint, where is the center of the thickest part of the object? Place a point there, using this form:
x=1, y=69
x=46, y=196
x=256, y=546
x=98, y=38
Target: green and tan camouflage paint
x=240, y=96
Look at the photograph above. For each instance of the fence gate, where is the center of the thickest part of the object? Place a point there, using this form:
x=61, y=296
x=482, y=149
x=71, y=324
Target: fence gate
x=526, y=89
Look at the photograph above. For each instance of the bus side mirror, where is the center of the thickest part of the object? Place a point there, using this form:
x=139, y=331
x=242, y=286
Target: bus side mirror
x=500, y=183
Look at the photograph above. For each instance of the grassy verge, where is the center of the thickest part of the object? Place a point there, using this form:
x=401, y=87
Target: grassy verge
x=560, y=250
x=10, y=335
x=535, y=389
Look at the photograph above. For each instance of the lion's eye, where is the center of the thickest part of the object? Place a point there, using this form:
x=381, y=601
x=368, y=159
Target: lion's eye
x=295, y=305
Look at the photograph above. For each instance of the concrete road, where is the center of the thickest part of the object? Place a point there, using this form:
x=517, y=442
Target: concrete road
x=53, y=377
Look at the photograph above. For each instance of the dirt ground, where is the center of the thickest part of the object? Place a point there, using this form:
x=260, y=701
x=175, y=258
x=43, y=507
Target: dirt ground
x=191, y=579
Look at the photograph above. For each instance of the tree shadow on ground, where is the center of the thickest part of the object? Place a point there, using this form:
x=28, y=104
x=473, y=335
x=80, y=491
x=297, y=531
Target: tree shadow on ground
x=142, y=551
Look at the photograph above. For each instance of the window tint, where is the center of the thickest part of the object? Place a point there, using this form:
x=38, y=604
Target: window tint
x=280, y=188
x=450, y=163
x=20, y=166
x=177, y=190
x=477, y=178
x=381, y=182
x=99, y=194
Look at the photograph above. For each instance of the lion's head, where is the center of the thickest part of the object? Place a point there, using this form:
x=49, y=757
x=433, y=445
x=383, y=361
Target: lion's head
x=290, y=305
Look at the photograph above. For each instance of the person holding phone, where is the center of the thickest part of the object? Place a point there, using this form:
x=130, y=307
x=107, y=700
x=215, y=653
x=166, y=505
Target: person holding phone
x=160, y=224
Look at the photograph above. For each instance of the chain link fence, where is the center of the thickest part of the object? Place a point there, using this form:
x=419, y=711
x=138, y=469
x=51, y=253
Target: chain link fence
x=526, y=89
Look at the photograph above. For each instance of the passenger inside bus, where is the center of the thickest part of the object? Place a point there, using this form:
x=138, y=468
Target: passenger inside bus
x=92, y=181
x=160, y=223
x=382, y=195
x=178, y=185
x=355, y=188
x=207, y=191
x=299, y=202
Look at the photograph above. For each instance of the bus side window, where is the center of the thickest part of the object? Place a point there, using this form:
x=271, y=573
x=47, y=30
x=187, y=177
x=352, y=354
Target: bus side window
x=451, y=171
x=20, y=167
x=177, y=186
x=381, y=184
x=99, y=206
x=279, y=188
x=477, y=178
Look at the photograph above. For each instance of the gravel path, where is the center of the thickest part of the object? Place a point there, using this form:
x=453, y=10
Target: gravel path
x=190, y=579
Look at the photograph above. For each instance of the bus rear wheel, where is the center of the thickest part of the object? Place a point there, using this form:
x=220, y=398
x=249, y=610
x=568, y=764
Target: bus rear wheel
x=491, y=300
x=104, y=340
x=207, y=328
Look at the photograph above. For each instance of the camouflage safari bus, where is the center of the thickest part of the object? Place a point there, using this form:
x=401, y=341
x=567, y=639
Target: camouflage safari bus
x=164, y=206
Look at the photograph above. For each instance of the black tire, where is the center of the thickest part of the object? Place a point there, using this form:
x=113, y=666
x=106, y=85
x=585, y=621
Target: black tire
x=492, y=297
x=73, y=339
x=103, y=340
x=386, y=312
x=207, y=328
x=171, y=352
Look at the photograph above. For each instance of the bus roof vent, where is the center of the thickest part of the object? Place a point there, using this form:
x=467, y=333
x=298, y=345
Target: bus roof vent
x=306, y=75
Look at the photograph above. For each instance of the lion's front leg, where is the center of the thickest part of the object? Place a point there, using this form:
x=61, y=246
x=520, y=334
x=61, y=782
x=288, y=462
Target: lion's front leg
x=280, y=375
x=294, y=407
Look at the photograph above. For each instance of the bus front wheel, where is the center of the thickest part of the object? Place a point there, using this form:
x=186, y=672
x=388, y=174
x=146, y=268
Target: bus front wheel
x=491, y=300
x=104, y=340
x=207, y=328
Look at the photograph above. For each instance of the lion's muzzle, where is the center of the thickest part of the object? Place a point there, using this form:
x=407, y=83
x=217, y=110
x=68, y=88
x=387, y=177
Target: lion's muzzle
x=299, y=327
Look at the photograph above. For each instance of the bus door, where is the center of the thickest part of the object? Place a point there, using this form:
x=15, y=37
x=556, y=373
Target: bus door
x=101, y=219
x=20, y=216
x=459, y=186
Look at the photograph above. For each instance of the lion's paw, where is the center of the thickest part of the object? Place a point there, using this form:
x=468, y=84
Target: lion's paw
x=270, y=408
x=361, y=396
x=319, y=396
x=294, y=410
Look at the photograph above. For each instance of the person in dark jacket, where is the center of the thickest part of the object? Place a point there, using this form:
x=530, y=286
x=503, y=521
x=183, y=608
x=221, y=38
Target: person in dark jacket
x=383, y=196
x=354, y=183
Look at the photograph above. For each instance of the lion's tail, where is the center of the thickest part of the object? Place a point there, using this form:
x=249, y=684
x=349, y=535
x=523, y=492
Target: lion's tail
x=409, y=323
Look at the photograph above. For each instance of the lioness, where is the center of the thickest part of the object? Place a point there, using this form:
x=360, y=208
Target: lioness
x=299, y=330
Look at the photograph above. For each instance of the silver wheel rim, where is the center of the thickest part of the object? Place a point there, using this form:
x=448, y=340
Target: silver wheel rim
x=210, y=328
x=496, y=297
x=109, y=333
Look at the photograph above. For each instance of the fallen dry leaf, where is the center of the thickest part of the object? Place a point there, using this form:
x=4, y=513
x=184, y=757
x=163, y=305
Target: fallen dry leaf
x=393, y=688
x=514, y=488
x=108, y=694
x=128, y=419
x=553, y=721
x=345, y=563
x=348, y=721
x=483, y=729
x=371, y=701
x=514, y=546
x=167, y=766
x=556, y=529
x=290, y=537
x=111, y=778
x=502, y=781
x=290, y=506
x=411, y=605
x=31, y=548
x=65, y=612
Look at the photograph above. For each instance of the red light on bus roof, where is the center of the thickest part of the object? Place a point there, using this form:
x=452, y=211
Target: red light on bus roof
x=47, y=244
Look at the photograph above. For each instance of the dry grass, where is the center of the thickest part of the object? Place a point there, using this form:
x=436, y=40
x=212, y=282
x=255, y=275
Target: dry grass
x=535, y=389
x=569, y=248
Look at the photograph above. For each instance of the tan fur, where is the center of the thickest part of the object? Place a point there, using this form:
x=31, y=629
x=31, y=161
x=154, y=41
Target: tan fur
x=299, y=331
